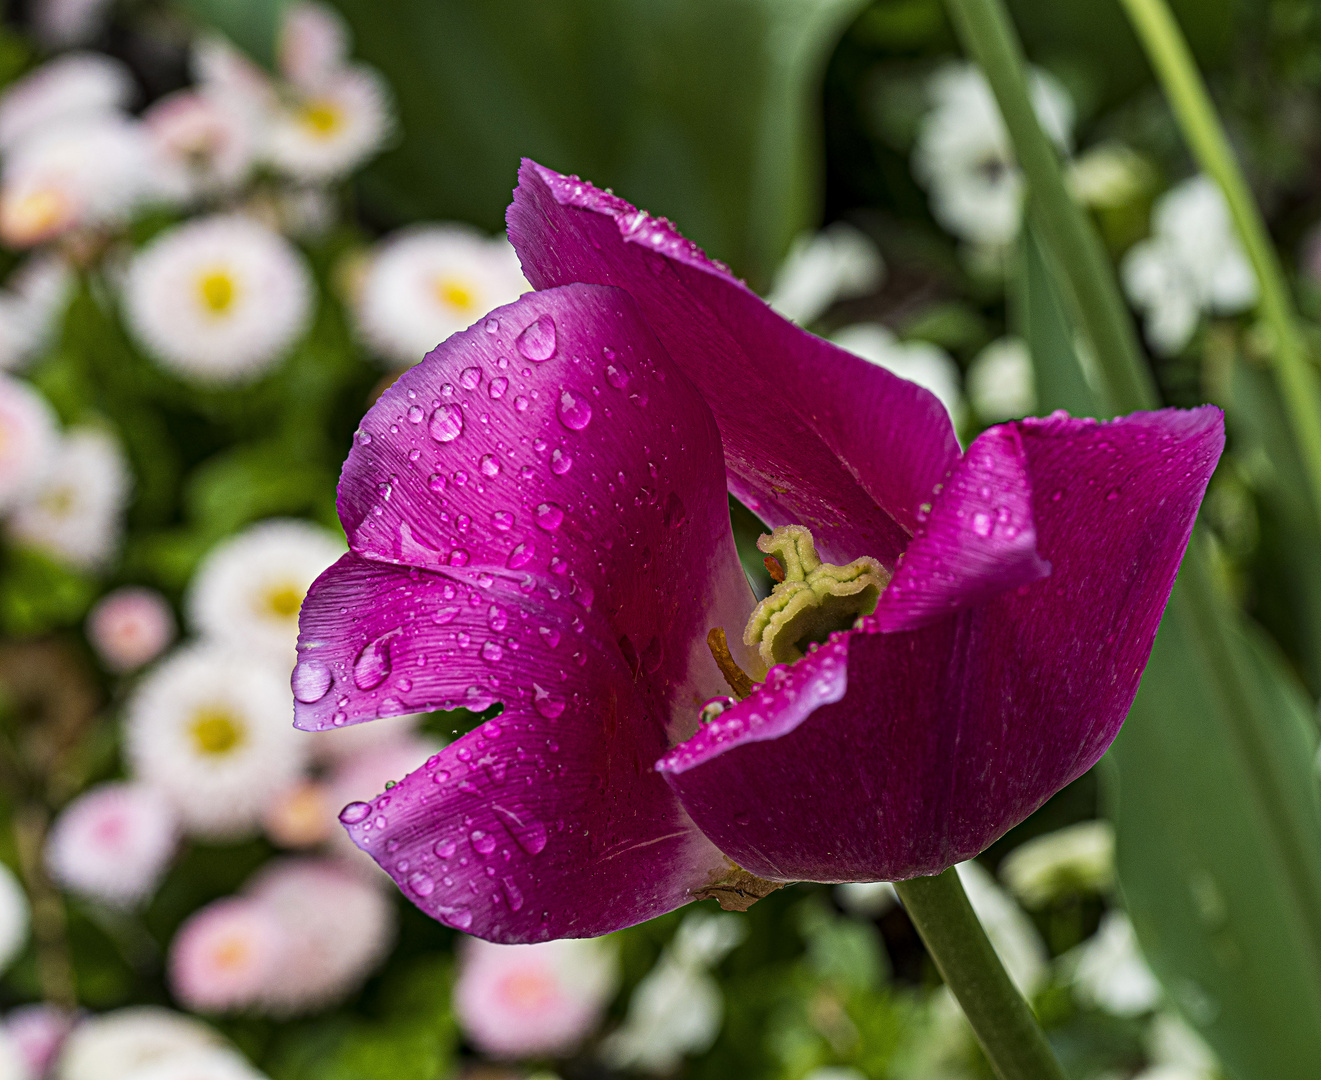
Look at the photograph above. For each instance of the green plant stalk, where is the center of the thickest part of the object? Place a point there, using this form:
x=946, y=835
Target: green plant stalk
x=989, y=37
x=1168, y=51
x=1005, y=1026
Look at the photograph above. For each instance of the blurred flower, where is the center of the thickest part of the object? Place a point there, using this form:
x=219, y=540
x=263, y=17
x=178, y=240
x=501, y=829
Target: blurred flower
x=217, y=1063
x=360, y=775
x=113, y=843
x=1177, y=1052
x=1079, y=858
x=928, y=365
x=868, y=899
x=29, y=436
x=225, y=71
x=118, y=1045
x=61, y=23
x=1109, y=175
x=964, y=157
x=74, y=86
x=15, y=917
x=1012, y=933
x=335, y=929
x=1110, y=973
x=31, y=305
x=300, y=816
x=1001, y=384
x=836, y=263
x=248, y=590
x=38, y=1032
x=219, y=299
x=129, y=627
x=677, y=1009
x=527, y=1001
x=328, y=128
x=207, y=145
x=13, y=1063
x=226, y=955
x=314, y=41
x=210, y=727
x=1193, y=262
x=346, y=746
x=831, y=1072
x=425, y=283
x=78, y=514
x=92, y=171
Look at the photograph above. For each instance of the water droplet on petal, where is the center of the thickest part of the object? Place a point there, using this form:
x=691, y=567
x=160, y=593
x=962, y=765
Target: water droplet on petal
x=483, y=842
x=446, y=423
x=546, y=703
x=458, y=557
x=532, y=838
x=458, y=917
x=310, y=681
x=537, y=342
x=373, y=663
x=981, y=523
x=575, y=410
x=497, y=388
x=421, y=883
x=415, y=414
x=616, y=376
x=445, y=615
x=492, y=652
x=560, y=462
x=497, y=618
x=502, y=520
x=444, y=848
x=521, y=555
x=512, y=893
x=490, y=465
x=470, y=378
x=355, y=812
x=548, y=516
x=492, y=326
x=436, y=483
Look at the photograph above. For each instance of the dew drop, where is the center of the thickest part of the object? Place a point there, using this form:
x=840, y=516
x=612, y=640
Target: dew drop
x=458, y=917
x=981, y=523
x=546, y=703
x=445, y=615
x=373, y=663
x=492, y=652
x=497, y=618
x=575, y=411
x=310, y=681
x=482, y=842
x=490, y=465
x=444, y=848
x=502, y=520
x=512, y=893
x=521, y=555
x=560, y=462
x=355, y=812
x=492, y=326
x=436, y=483
x=458, y=557
x=498, y=387
x=548, y=516
x=470, y=378
x=616, y=376
x=415, y=414
x=446, y=423
x=537, y=342
x=421, y=883
x=532, y=838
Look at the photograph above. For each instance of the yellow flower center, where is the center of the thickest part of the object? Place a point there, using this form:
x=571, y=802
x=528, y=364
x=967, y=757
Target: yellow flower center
x=322, y=118
x=283, y=601
x=34, y=216
x=455, y=293
x=217, y=731
x=217, y=290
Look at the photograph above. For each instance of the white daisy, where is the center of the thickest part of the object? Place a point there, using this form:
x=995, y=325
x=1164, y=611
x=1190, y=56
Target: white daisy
x=836, y=263
x=211, y=727
x=866, y=899
x=1192, y=263
x=31, y=306
x=921, y=362
x=1080, y=857
x=13, y=1063
x=206, y=145
x=219, y=299
x=29, y=436
x=314, y=41
x=1001, y=381
x=428, y=282
x=1110, y=972
x=964, y=158
x=113, y=843
x=92, y=171
x=325, y=130
x=130, y=627
x=118, y=1045
x=72, y=86
x=223, y=70
x=248, y=590
x=225, y=955
x=78, y=513
x=218, y=1063
x=15, y=917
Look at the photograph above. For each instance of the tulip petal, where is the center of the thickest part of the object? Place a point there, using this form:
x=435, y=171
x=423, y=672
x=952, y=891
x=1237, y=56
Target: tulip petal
x=813, y=435
x=978, y=540
x=924, y=746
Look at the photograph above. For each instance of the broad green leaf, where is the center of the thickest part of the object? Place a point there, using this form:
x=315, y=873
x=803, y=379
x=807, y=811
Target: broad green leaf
x=253, y=25
x=701, y=110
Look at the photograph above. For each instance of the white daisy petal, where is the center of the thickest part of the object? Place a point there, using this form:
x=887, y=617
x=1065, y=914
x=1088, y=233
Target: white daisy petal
x=836, y=263
x=29, y=437
x=219, y=299
x=119, y=1045
x=74, y=85
x=426, y=283
x=1001, y=384
x=921, y=362
x=314, y=41
x=211, y=727
x=326, y=130
x=206, y=145
x=1110, y=972
x=15, y=917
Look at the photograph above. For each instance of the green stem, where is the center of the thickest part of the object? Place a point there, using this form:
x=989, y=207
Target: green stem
x=990, y=39
x=1174, y=65
x=1014, y=1042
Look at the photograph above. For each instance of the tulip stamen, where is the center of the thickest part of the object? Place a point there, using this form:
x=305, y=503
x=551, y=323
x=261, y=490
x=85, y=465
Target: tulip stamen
x=735, y=676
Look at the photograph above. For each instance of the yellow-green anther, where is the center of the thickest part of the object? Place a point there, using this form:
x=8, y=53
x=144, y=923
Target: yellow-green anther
x=814, y=599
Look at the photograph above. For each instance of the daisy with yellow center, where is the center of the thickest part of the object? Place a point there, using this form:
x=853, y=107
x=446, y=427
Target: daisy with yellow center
x=329, y=128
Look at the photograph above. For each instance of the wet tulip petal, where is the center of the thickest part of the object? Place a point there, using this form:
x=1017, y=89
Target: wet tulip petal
x=926, y=745
x=813, y=435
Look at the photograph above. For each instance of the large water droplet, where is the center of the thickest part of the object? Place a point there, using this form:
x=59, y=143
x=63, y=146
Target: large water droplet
x=546, y=703
x=355, y=812
x=521, y=555
x=470, y=378
x=421, y=883
x=445, y=615
x=532, y=838
x=548, y=516
x=459, y=917
x=492, y=652
x=310, y=681
x=512, y=893
x=981, y=523
x=575, y=410
x=497, y=388
x=502, y=520
x=560, y=462
x=483, y=842
x=373, y=663
x=616, y=376
x=497, y=618
x=490, y=465
x=445, y=848
x=415, y=414
x=446, y=423
x=537, y=342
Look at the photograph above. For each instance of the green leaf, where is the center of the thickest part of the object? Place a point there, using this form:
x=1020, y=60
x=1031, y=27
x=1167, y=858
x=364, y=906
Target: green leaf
x=39, y=594
x=253, y=25
x=702, y=110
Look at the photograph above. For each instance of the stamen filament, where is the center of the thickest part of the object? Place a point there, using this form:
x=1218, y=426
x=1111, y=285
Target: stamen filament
x=737, y=678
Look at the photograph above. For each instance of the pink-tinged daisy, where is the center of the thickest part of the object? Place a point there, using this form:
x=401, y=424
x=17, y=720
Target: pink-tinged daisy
x=533, y=1001
x=71, y=87
x=29, y=437
x=206, y=144
x=113, y=843
x=226, y=956
x=324, y=131
x=300, y=816
x=117, y=1045
x=130, y=627
x=314, y=42
x=38, y=1031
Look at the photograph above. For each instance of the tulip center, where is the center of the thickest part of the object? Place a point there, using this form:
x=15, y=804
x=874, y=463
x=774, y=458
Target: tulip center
x=812, y=601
